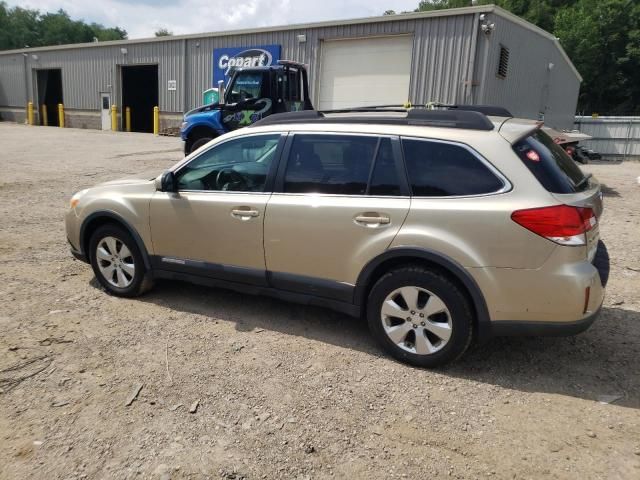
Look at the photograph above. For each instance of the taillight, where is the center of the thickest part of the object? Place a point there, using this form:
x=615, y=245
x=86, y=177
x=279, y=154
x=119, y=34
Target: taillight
x=562, y=224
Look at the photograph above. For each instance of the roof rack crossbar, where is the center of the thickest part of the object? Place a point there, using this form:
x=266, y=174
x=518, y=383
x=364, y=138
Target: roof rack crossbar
x=463, y=119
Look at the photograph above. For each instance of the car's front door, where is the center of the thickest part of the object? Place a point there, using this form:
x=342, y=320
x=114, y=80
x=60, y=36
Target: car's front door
x=213, y=224
x=338, y=202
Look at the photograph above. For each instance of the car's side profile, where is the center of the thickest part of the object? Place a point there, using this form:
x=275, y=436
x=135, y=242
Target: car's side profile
x=437, y=232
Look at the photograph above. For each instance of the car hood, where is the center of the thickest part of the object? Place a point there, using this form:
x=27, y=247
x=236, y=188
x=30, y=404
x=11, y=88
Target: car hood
x=137, y=180
x=205, y=108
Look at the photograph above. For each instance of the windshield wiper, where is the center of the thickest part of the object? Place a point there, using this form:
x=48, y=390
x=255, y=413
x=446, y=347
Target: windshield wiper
x=584, y=180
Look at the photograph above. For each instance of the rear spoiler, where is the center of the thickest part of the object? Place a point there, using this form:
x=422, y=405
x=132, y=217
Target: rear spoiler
x=515, y=129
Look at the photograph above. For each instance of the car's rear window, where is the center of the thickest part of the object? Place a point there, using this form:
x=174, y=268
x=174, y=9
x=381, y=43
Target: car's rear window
x=550, y=164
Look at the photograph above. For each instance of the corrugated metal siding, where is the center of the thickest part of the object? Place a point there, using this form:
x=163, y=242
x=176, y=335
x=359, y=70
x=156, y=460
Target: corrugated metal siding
x=451, y=62
x=530, y=89
x=88, y=71
x=615, y=136
x=440, y=64
x=441, y=54
x=12, y=88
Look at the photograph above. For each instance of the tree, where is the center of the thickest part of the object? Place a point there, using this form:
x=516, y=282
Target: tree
x=603, y=39
x=21, y=27
x=163, y=32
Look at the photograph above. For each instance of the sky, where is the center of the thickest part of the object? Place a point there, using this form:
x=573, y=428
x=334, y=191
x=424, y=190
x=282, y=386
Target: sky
x=142, y=18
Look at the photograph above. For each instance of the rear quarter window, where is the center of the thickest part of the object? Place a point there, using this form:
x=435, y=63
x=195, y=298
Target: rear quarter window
x=437, y=169
x=550, y=164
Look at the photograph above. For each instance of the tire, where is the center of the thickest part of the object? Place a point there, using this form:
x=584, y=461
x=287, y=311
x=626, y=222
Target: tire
x=434, y=292
x=199, y=142
x=130, y=277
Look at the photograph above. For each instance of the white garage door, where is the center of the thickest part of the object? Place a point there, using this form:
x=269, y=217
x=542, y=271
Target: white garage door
x=371, y=71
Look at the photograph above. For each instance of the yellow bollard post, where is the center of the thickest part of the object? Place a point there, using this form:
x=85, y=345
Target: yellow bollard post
x=127, y=118
x=61, y=115
x=45, y=118
x=156, y=120
x=30, y=113
x=114, y=118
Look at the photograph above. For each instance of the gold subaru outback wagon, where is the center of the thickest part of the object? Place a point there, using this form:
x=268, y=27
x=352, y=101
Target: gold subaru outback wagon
x=439, y=226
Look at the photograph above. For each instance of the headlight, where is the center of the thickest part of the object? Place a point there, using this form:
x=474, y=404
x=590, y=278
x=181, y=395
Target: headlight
x=183, y=125
x=76, y=198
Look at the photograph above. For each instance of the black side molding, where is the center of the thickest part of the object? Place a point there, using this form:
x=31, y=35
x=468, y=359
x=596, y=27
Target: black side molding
x=304, y=299
x=318, y=287
x=229, y=273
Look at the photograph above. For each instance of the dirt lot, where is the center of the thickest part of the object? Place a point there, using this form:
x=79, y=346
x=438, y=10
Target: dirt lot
x=284, y=391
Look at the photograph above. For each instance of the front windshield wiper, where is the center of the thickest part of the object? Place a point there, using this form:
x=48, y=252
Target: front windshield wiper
x=584, y=180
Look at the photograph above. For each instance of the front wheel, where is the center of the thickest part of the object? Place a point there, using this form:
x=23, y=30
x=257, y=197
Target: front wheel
x=420, y=317
x=117, y=262
x=199, y=143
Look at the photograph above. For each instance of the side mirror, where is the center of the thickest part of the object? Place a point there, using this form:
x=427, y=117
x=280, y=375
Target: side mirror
x=167, y=182
x=221, y=92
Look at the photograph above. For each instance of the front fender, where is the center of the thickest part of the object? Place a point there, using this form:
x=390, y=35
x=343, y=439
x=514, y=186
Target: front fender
x=209, y=119
x=124, y=204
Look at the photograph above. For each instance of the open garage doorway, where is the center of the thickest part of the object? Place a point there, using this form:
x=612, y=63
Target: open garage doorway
x=140, y=94
x=49, y=84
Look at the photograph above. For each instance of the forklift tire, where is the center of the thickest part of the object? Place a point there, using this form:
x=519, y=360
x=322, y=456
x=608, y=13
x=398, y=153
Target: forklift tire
x=199, y=142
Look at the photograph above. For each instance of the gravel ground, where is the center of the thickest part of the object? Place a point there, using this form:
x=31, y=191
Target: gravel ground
x=235, y=386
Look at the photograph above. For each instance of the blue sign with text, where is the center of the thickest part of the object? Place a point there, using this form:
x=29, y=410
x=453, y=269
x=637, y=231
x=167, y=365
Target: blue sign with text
x=225, y=60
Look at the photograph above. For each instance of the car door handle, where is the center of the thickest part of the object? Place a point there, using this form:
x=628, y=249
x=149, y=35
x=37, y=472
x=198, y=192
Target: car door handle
x=244, y=213
x=375, y=219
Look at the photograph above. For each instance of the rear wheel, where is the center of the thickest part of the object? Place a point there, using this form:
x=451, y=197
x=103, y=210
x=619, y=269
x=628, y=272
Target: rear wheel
x=117, y=262
x=420, y=317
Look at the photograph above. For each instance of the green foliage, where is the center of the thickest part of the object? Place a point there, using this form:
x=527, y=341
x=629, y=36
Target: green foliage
x=602, y=38
x=21, y=27
x=163, y=32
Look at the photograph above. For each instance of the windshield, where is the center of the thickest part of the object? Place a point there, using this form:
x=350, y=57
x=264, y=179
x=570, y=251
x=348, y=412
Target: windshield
x=246, y=86
x=550, y=164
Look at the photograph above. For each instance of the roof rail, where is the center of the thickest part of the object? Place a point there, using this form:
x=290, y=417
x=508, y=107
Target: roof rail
x=463, y=119
x=493, y=110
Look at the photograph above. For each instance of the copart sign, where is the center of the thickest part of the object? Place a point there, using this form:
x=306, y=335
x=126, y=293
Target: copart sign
x=226, y=59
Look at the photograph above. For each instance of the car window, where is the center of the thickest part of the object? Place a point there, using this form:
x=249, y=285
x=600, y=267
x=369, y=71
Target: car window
x=337, y=164
x=550, y=164
x=437, y=169
x=240, y=165
x=247, y=85
x=384, y=179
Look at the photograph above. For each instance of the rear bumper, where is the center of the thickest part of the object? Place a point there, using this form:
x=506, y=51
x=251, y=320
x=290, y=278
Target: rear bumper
x=542, y=329
x=564, y=297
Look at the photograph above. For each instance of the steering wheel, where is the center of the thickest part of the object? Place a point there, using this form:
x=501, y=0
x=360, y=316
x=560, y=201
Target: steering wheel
x=228, y=179
x=245, y=95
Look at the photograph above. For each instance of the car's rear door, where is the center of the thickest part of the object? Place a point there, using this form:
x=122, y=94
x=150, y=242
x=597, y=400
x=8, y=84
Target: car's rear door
x=338, y=202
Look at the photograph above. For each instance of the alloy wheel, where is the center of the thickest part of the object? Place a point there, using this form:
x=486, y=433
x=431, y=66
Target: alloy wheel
x=416, y=320
x=115, y=262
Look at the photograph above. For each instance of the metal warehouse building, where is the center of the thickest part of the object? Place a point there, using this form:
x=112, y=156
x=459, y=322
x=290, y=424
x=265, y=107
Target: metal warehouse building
x=480, y=54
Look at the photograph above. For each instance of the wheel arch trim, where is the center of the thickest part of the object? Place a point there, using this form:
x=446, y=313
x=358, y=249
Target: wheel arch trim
x=108, y=214
x=441, y=260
